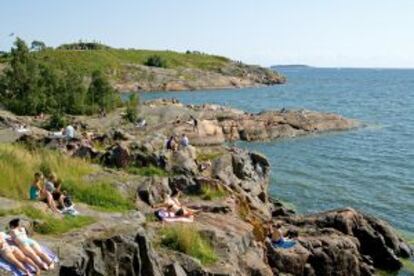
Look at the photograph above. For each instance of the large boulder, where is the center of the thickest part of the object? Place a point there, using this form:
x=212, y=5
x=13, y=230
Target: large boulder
x=117, y=156
x=116, y=255
x=153, y=189
x=339, y=242
x=183, y=161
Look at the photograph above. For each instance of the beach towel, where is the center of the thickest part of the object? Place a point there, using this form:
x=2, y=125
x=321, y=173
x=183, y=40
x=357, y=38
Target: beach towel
x=15, y=272
x=166, y=216
x=284, y=243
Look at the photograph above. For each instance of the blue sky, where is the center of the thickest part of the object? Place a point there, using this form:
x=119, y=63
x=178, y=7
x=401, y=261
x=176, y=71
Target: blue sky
x=353, y=33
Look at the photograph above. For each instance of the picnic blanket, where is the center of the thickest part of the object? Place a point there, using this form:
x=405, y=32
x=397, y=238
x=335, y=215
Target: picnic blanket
x=15, y=272
x=166, y=216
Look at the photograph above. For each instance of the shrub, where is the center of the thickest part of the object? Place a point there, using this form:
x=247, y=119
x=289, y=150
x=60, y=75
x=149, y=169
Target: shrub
x=131, y=114
x=156, y=61
x=56, y=121
x=188, y=240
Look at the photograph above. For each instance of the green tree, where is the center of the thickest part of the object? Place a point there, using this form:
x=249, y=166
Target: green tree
x=75, y=93
x=101, y=95
x=21, y=91
x=132, y=108
x=156, y=61
x=38, y=45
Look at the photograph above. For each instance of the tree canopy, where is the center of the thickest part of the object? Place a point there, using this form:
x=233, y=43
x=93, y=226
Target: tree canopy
x=30, y=87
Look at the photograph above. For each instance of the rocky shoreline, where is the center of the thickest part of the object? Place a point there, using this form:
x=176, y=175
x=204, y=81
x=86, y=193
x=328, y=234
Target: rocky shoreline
x=233, y=75
x=337, y=242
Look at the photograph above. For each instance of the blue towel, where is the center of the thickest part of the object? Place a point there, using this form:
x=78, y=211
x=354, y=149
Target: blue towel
x=284, y=243
x=15, y=272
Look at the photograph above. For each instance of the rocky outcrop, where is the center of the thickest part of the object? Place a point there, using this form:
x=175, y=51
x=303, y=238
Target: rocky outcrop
x=117, y=255
x=232, y=75
x=339, y=242
x=281, y=124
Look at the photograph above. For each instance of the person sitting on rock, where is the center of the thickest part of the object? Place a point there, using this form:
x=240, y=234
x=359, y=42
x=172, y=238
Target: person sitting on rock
x=277, y=238
x=172, y=144
x=29, y=246
x=15, y=256
x=53, y=186
x=38, y=192
x=172, y=204
x=184, y=141
x=69, y=132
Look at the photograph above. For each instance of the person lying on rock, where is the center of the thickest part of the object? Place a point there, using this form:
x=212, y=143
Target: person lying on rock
x=15, y=256
x=38, y=192
x=277, y=238
x=172, y=204
x=29, y=246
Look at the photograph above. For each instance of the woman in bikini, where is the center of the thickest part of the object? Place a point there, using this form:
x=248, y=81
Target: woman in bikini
x=29, y=246
x=38, y=192
x=172, y=204
x=15, y=256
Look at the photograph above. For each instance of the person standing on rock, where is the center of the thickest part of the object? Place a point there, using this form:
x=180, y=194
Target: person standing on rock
x=195, y=123
x=184, y=141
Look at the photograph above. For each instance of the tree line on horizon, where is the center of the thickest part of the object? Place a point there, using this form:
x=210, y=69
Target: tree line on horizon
x=31, y=87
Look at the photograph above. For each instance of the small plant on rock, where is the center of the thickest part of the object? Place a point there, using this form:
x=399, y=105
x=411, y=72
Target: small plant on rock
x=188, y=240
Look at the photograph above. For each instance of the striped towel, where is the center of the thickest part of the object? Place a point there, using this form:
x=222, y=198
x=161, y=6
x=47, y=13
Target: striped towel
x=15, y=272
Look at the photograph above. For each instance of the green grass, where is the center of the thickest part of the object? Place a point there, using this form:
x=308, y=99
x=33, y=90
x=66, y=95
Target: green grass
x=209, y=192
x=188, y=240
x=49, y=225
x=147, y=171
x=99, y=194
x=203, y=156
x=18, y=165
x=111, y=60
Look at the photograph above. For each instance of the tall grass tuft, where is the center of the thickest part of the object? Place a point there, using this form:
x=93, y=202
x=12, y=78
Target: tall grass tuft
x=210, y=192
x=18, y=165
x=190, y=241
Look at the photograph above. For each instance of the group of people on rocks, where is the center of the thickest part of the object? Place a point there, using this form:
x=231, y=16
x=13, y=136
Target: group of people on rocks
x=23, y=252
x=174, y=144
x=49, y=190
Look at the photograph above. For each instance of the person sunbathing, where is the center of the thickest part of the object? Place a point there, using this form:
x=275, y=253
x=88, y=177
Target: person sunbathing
x=38, y=192
x=29, y=246
x=172, y=204
x=278, y=239
x=15, y=256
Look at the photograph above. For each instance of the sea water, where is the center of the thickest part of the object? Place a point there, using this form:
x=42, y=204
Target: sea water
x=370, y=169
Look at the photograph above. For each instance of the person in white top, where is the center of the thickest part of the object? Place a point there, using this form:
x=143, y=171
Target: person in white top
x=69, y=132
x=14, y=255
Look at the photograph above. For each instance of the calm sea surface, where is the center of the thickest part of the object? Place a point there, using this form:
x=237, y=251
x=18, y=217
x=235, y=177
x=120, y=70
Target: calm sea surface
x=371, y=169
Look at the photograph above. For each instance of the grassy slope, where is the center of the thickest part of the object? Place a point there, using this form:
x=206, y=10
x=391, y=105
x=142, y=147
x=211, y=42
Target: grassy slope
x=112, y=59
x=17, y=166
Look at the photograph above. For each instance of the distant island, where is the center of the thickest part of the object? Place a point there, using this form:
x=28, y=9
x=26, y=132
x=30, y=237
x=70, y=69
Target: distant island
x=290, y=66
x=151, y=70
